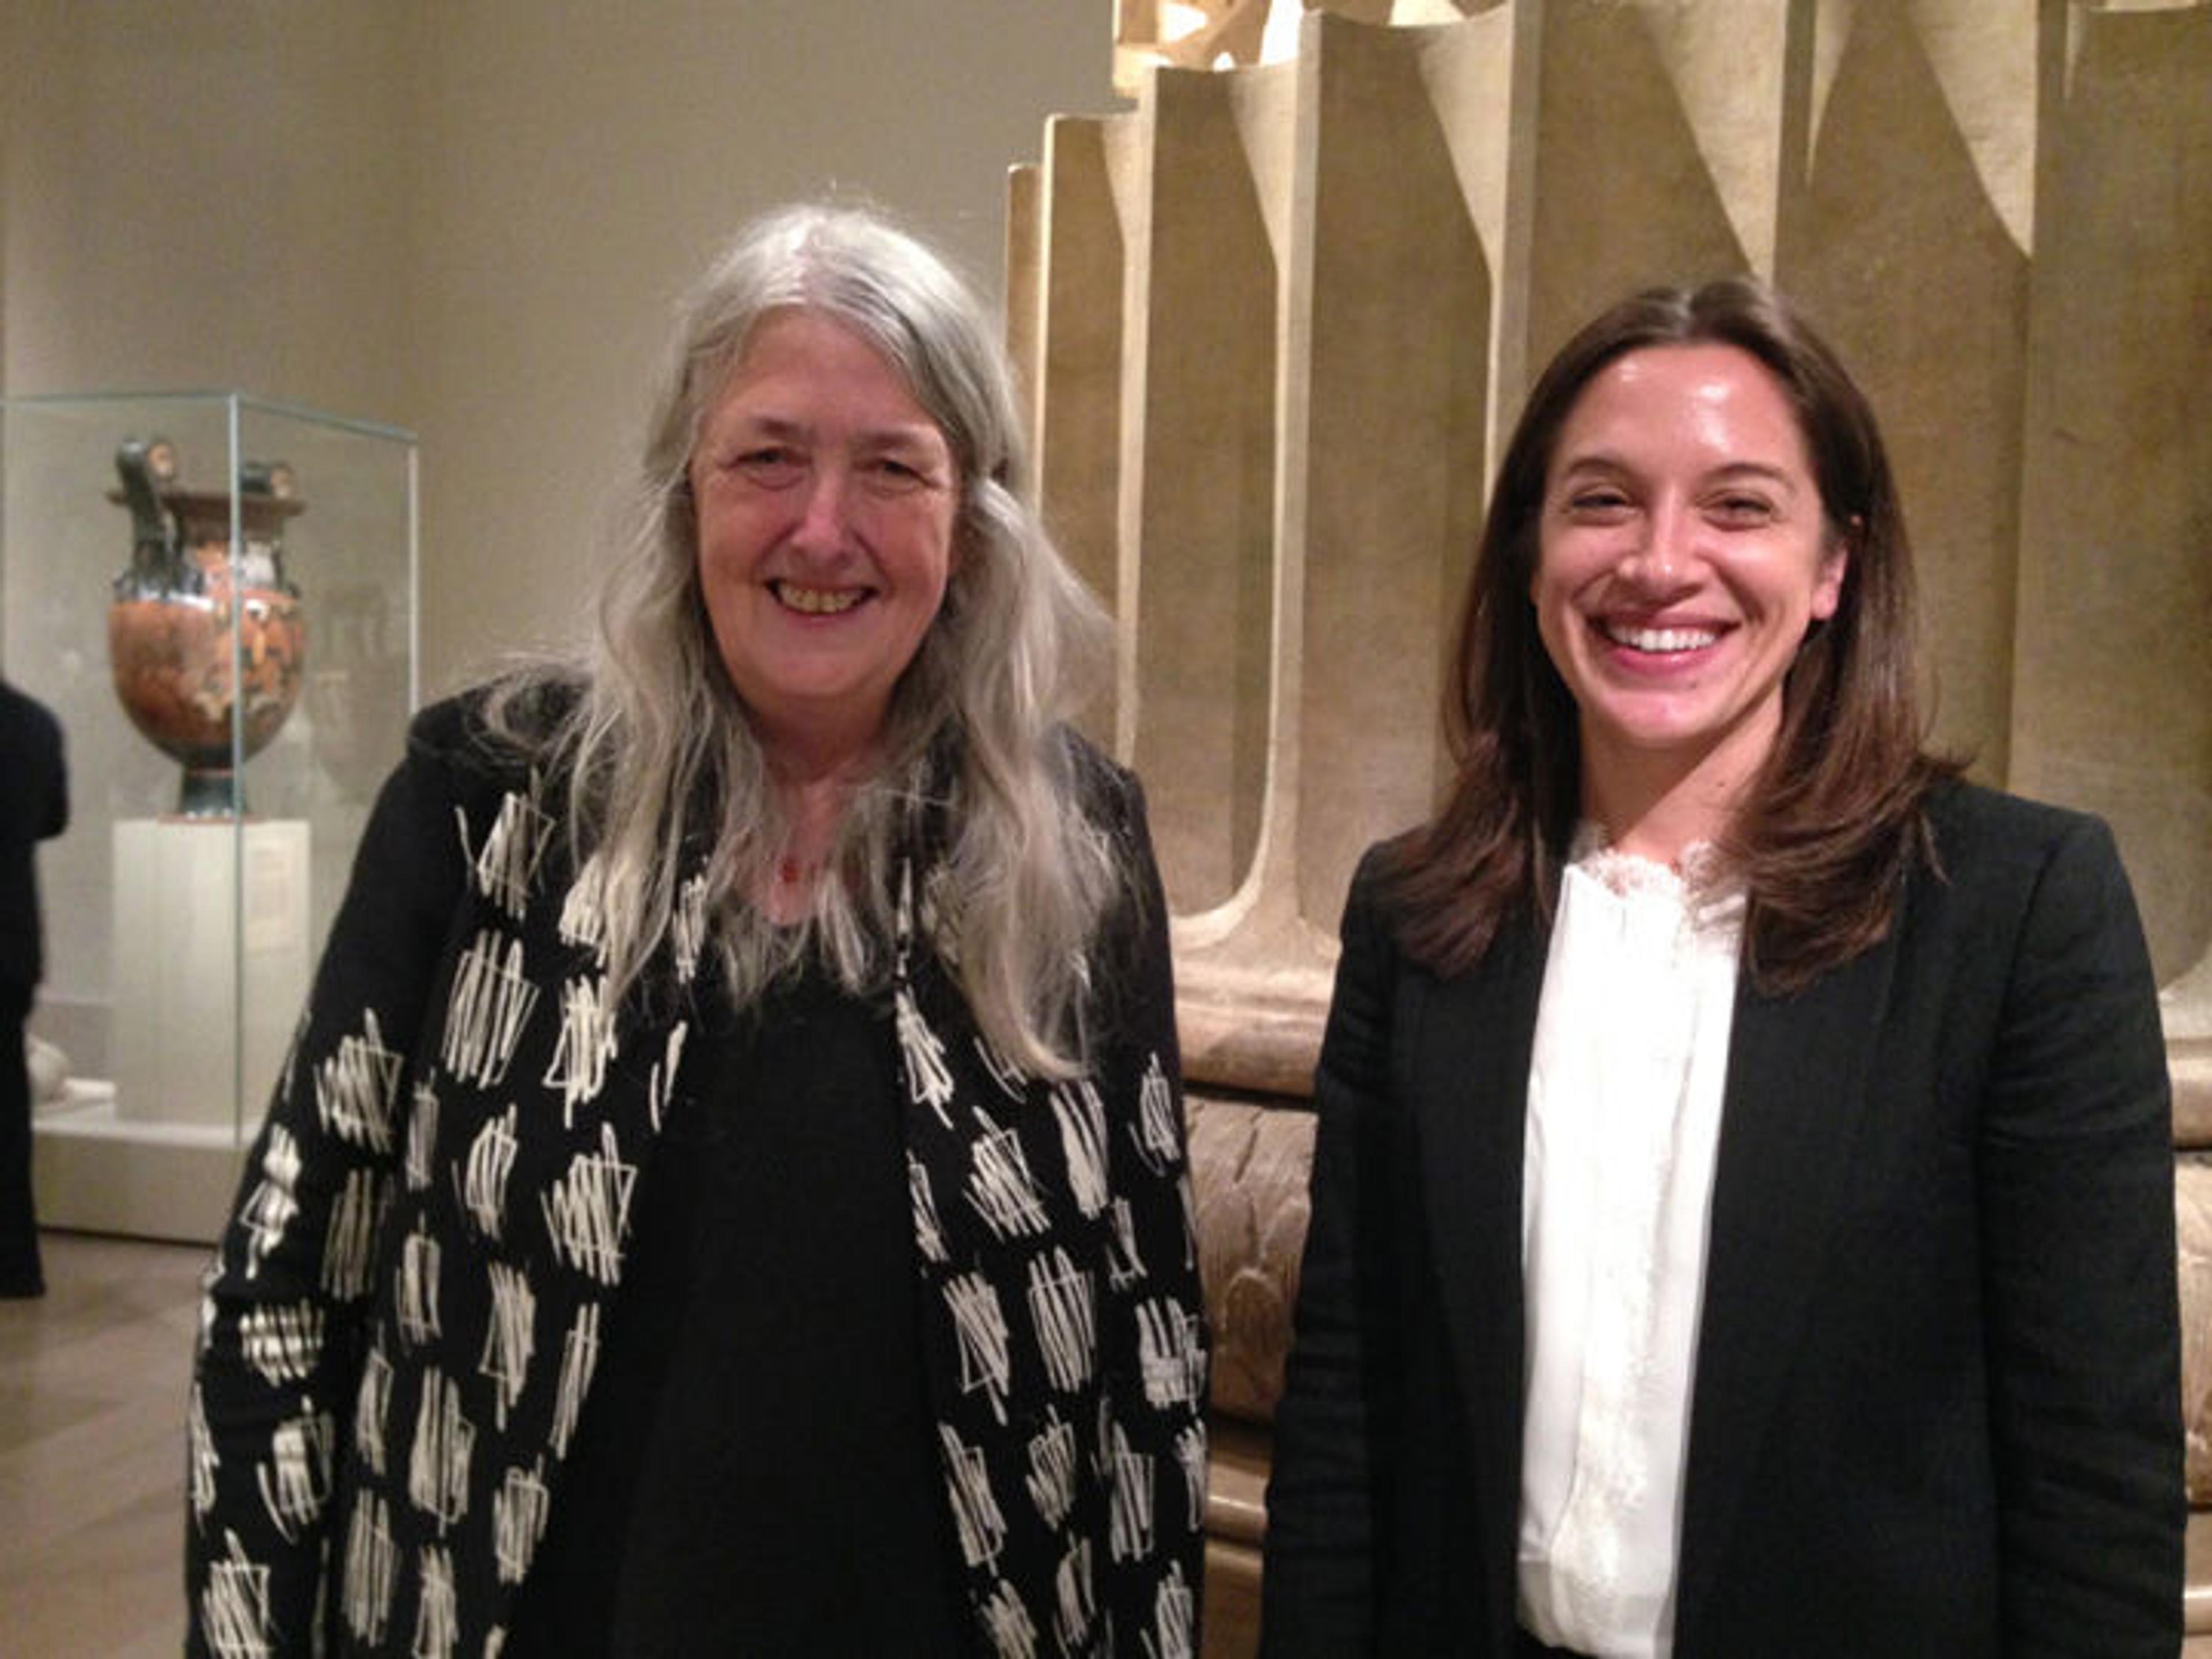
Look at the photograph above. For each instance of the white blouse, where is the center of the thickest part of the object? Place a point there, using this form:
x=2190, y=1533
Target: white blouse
x=1623, y=1128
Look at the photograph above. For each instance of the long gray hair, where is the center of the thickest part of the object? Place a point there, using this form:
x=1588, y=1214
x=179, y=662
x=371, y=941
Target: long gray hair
x=660, y=755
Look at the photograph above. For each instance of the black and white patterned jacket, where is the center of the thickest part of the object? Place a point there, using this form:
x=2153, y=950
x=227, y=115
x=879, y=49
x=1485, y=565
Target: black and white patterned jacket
x=402, y=1324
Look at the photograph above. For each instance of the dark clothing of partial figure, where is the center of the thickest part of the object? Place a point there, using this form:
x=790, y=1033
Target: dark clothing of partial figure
x=1936, y=1404
x=33, y=807
x=758, y=1442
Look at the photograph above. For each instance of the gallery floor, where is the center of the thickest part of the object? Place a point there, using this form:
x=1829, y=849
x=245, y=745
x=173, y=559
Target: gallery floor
x=93, y=1378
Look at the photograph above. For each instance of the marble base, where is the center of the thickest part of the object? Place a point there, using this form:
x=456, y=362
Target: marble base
x=2193, y=1218
x=94, y=1171
x=2196, y=1595
x=211, y=966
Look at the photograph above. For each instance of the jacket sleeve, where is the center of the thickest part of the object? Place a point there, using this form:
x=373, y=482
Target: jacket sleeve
x=1154, y=1347
x=2077, y=1187
x=1317, y=1594
x=287, y=1304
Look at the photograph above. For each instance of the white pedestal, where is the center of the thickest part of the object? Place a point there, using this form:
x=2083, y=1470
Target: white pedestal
x=207, y=988
x=93, y=1173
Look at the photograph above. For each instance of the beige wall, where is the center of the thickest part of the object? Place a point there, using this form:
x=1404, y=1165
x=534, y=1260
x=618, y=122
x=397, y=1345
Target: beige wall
x=469, y=219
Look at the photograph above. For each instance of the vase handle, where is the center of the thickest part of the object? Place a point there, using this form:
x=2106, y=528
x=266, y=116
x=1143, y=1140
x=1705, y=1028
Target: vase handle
x=144, y=465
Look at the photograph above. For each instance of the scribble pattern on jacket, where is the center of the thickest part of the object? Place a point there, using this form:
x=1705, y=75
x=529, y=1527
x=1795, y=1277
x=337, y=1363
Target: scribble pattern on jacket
x=401, y=1327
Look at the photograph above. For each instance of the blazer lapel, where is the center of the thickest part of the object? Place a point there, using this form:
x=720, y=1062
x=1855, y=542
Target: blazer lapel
x=1466, y=1053
x=1795, y=1098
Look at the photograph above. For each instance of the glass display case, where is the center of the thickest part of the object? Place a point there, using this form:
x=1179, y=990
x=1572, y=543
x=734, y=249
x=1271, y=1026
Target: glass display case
x=215, y=595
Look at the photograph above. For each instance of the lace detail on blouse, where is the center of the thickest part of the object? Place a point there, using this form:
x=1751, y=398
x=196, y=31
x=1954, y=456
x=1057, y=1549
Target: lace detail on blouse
x=1700, y=886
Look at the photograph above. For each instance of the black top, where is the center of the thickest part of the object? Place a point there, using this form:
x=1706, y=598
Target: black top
x=754, y=1472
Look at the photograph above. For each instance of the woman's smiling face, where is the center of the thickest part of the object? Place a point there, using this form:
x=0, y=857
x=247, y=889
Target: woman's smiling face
x=827, y=499
x=1683, y=553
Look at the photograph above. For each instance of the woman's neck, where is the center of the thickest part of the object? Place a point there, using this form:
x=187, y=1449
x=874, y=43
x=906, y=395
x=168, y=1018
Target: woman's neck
x=1658, y=801
x=814, y=805
x=1657, y=811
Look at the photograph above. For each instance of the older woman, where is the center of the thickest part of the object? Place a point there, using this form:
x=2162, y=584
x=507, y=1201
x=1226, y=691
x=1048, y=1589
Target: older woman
x=727, y=1195
x=1743, y=1215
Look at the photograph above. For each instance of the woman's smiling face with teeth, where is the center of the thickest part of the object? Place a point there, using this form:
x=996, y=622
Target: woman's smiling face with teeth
x=1682, y=554
x=826, y=499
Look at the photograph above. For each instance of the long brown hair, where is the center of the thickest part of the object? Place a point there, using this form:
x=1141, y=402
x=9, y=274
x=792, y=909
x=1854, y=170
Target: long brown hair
x=1832, y=819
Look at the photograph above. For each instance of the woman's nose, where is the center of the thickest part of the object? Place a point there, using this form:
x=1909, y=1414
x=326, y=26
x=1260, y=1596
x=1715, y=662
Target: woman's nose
x=1664, y=551
x=824, y=515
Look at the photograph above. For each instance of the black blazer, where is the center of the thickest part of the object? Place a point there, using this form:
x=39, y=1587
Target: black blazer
x=34, y=806
x=1938, y=1405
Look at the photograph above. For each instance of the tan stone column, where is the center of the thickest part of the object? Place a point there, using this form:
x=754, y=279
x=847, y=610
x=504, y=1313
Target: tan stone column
x=1905, y=228
x=2112, y=695
x=1384, y=349
x=1385, y=454
x=1620, y=190
x=1068, y=259
x=1197, y=487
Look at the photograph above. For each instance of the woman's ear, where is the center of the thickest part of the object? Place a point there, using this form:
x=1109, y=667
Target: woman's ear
x=1835, y=565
